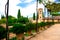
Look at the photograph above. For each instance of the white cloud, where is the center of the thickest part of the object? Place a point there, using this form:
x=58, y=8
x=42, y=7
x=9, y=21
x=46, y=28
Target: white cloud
x=2, y=7
x=29, y=9
x=24, y=11
x=13, y=8
x=41, y=6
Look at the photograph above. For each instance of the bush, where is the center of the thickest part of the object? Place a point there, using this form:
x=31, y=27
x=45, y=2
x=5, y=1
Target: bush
x=3, y=21
x=30, y=26
x=18, y=28
x=49, y=23
x=23, y=20
x=13, y=38
x=42, y=24
x=11, y=21
x=2, y=32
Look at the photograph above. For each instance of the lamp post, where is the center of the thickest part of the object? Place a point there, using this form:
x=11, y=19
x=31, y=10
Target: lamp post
x=6, y=13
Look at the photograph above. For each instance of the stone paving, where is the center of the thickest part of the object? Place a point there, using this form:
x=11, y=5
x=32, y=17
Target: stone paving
x=52, y=33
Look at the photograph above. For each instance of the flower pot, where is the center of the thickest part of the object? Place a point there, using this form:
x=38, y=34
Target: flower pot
x=46, y=27
x=20, y=36
x=29, y=32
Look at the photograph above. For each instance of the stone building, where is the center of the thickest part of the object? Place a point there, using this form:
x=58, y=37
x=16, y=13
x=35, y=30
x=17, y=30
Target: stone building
x=41, y=18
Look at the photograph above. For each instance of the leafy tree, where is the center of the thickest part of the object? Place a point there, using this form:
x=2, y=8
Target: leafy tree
x=53, y=7
x=2, y=32
x=33, y=16
x=19, y=14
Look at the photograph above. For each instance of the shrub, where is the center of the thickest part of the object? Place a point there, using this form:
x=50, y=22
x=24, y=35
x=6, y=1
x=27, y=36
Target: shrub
x=49, y=23
x=13, y=38
x=30, y=26
x=2, y=32
x=23, y=20
x=42, y=24
x=18, y=28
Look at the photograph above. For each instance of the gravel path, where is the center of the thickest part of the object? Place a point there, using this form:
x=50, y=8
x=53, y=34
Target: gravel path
x=52, y=33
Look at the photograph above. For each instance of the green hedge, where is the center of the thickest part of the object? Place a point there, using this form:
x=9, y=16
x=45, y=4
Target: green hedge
x=30, y=26
x=18, y=28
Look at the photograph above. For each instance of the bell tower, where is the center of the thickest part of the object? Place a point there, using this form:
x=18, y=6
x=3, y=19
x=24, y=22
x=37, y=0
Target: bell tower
x=40, y=14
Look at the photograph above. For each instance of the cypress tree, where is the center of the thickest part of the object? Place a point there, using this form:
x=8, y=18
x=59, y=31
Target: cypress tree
x=33, y=16
x=19, y=14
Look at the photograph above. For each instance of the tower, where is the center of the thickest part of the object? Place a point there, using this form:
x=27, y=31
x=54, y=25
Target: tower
x=40, y=14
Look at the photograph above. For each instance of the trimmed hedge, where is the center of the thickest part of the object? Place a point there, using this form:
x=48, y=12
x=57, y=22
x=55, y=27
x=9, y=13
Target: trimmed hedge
x=18, y=28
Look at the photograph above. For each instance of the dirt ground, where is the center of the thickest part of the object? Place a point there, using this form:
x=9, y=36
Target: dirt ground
x=52, y=33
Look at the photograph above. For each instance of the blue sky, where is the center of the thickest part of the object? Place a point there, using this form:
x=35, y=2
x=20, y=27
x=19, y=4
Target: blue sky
x=57, y=1
x=24, y=4
x=27, y=7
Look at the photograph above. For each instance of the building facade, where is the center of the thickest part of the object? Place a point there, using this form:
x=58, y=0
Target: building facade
x=46, y=19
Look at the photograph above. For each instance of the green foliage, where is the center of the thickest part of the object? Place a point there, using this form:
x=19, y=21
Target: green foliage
x=55, y=14
x=13, y=38
x=26, y=34
x=3, y=20
x=2, y=16
x=40, y=1
x=2, y=32
x=19, y=14
x=49, y=23
x=11, y=17
x=42, y=24
x=18, y=28
x=54, y=7
x=23, y=20
x=29, y=26
x=11, y=20
x=33, y=16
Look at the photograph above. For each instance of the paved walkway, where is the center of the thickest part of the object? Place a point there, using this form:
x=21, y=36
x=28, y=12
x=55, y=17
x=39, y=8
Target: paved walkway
x=52, y=33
